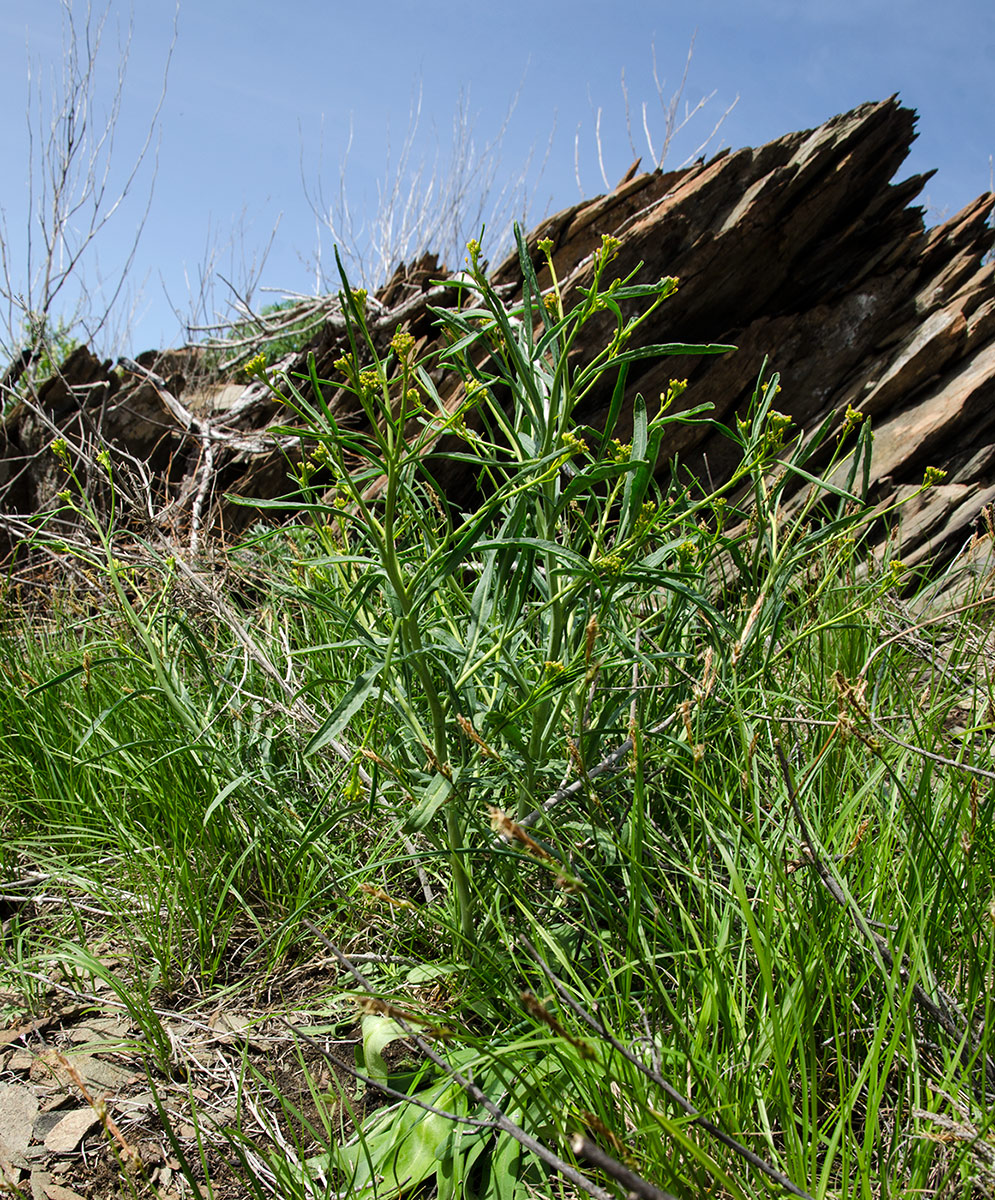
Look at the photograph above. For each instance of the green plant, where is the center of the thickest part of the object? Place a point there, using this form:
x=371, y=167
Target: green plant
x=47, y=345
x=497, y=645
x=460, y=674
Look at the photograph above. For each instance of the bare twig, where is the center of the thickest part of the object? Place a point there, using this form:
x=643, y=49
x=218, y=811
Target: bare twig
x=422, y=207
x=343, y=1064
x=674, y=121
x=202, y=306
x=611, y=762
x=634, y=1184
x=72, y=194
x=904, y=634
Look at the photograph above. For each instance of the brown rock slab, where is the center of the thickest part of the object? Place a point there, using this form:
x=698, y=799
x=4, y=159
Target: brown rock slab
x=924, y=434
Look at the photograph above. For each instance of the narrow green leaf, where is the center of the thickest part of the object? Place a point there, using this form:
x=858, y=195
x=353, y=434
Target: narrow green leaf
x=615, y=407
x=351, y=702
x=822, y=484
x=63, y=676
x=637, y=481
x=222, y=796
x=658, y=350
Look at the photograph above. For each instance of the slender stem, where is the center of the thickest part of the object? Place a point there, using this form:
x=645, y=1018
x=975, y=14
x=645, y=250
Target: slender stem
x=411, y=642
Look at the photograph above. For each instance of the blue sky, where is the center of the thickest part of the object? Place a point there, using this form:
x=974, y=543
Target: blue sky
x=261, y=97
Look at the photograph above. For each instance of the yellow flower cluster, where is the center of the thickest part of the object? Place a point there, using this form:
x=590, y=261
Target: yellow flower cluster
x=609, y=564
x=256, y=365
x=574, y=444
x=646, y=517
x=675, y=389
x=687, y=554
x=369, y=380
x=609, y=248
x=778, y=424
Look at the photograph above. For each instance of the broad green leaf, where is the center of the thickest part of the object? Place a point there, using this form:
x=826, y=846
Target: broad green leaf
x=435, y=795
x=396, y=1150
x=505, y=1165
x=378, y=1033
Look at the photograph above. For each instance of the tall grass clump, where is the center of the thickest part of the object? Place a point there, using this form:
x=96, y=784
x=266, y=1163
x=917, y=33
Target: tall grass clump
x=649, y=833
x=148, y=772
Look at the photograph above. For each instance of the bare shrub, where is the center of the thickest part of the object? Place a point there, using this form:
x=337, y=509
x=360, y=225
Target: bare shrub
x=436, y=204
x=50, y=286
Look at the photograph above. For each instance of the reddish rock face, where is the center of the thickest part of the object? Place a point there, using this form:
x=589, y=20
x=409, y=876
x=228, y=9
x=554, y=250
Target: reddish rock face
x=802, y=252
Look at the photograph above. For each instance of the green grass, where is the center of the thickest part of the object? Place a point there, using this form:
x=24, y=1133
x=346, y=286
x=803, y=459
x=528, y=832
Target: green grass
x=624, y=811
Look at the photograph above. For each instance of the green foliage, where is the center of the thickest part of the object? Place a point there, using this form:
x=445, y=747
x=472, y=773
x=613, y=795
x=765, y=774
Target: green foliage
x=407, y=1145
x=47, y=345
x=484, y=617
x=680, y=816
x=56, y=344
x=282, y=328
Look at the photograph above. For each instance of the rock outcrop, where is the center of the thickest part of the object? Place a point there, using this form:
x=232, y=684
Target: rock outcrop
x=802, y=252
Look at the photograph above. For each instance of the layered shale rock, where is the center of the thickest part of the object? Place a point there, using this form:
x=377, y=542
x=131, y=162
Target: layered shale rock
x=802, y=253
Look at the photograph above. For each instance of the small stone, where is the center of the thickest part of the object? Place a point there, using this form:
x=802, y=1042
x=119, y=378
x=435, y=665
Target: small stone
x=100, y=1029
x=104, y=1076
x=130, y=1105
x=55, y=1191
x=64, y=1137
x=96, y=1075
x=18, y=1109
x=40, y=1180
